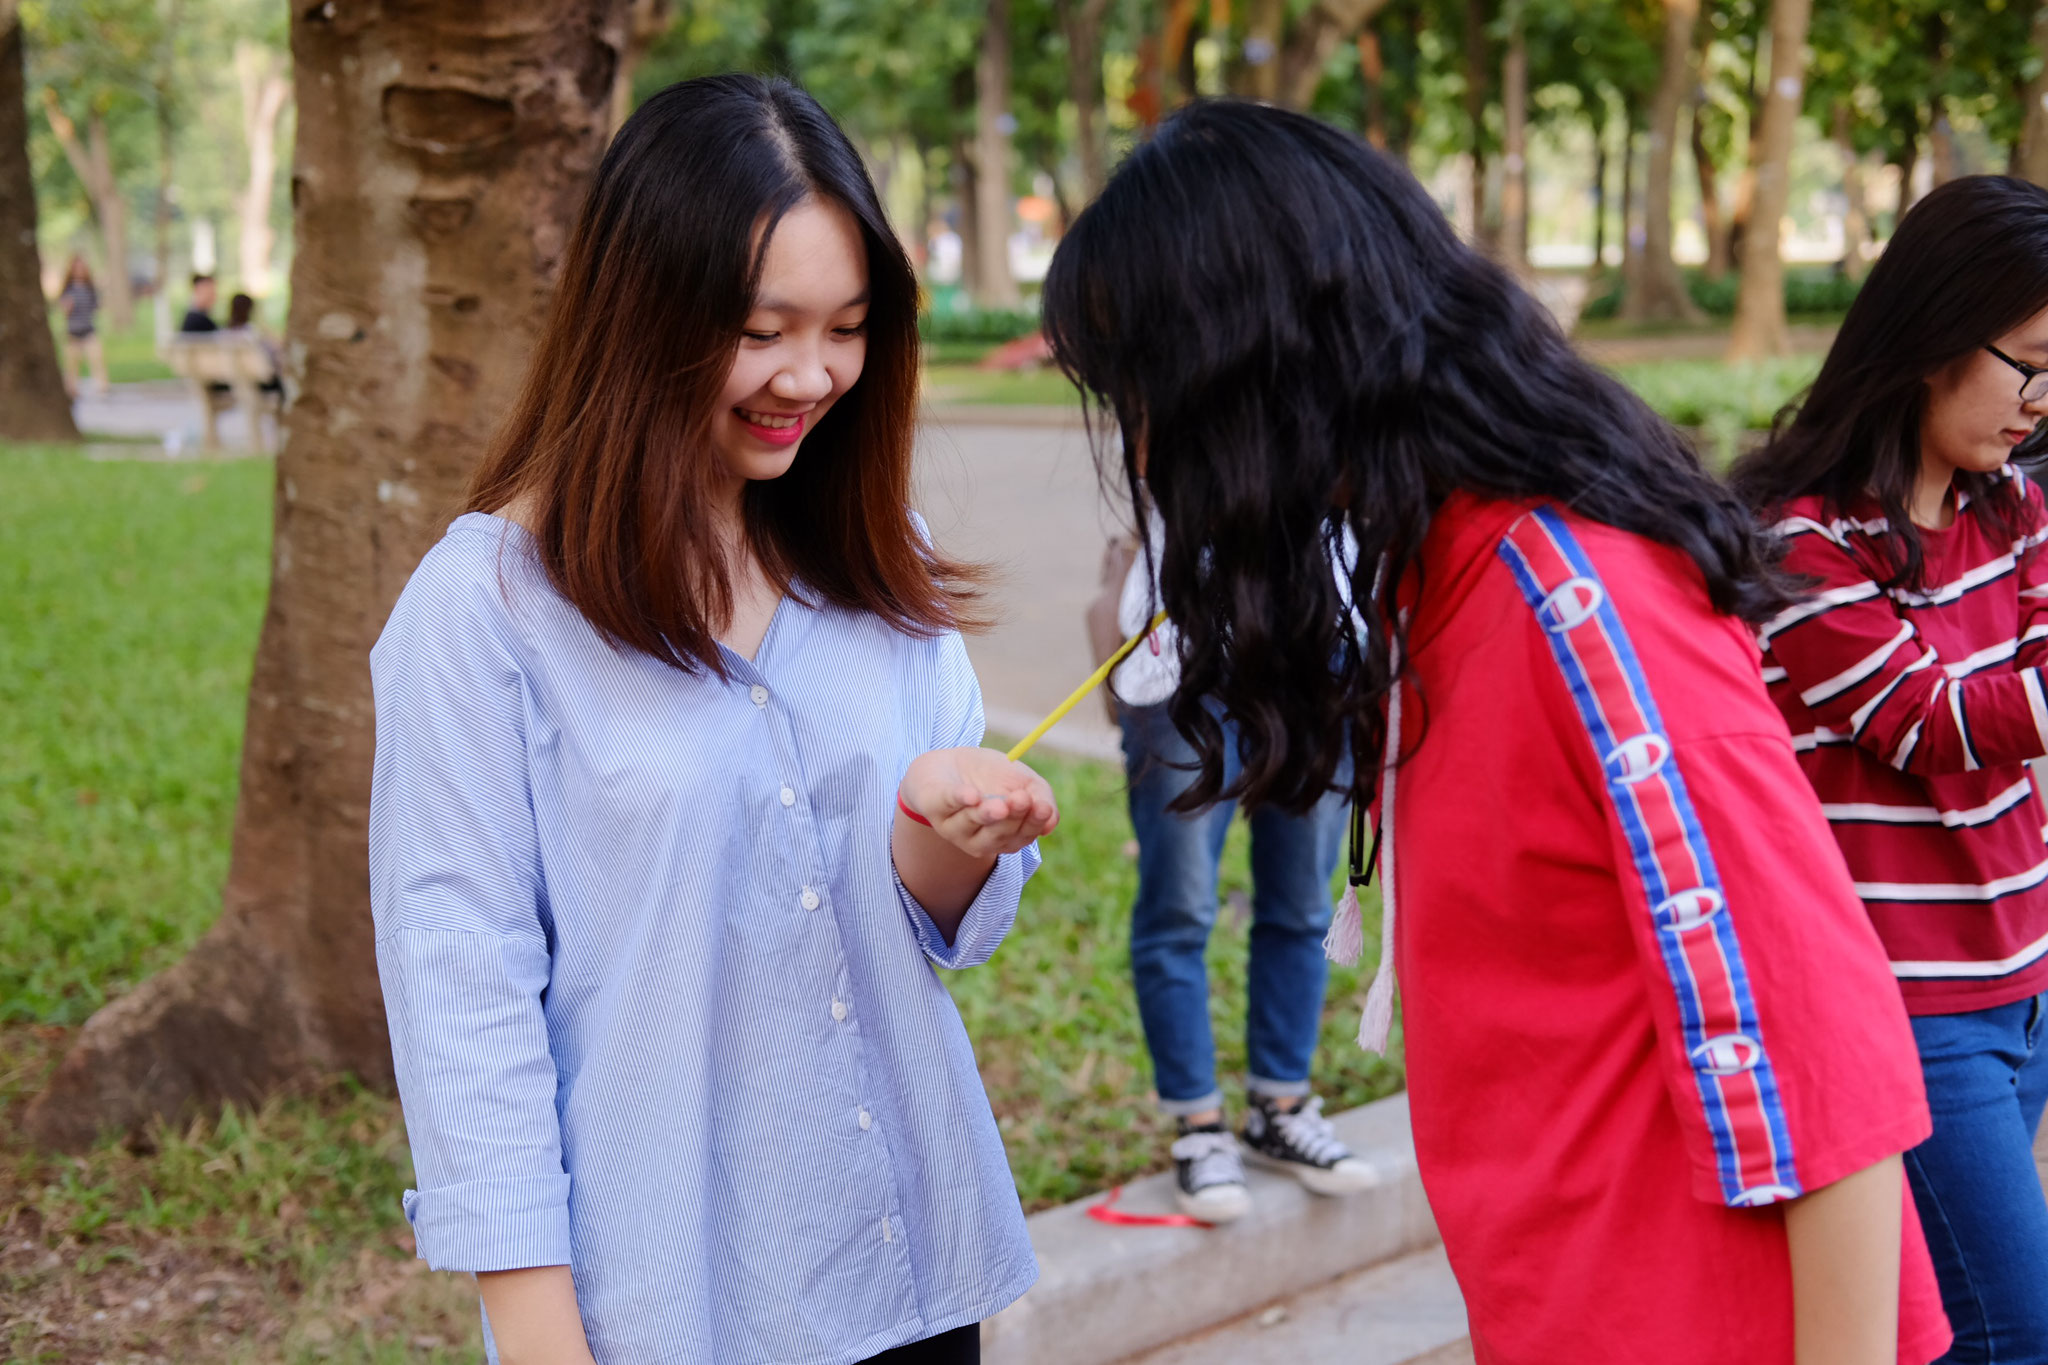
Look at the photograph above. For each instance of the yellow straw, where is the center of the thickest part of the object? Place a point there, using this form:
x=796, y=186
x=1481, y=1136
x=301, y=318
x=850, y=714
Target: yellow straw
x=1093, y=681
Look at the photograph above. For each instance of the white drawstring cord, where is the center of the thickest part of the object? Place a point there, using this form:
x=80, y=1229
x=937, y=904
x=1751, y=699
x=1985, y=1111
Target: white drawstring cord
x=1345, y=942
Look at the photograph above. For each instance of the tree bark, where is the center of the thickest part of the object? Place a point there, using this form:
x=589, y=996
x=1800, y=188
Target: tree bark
x=1760, y=302
x=1081, y=24
x=2030, y=154
x=1599, y=192
x=1855, y=215
x=166, y=161
x=1476, y=92
x=93, y=162
x=264, y=92
x=443, y=151
x=991, y=283
x=1314, y=38
x=1514, y=189
x=33, y=406
x=1372, y=69
x=1256, y=73
x=1631, y=228
x=1658, y=294
x=647, y=21
x=1713, y=222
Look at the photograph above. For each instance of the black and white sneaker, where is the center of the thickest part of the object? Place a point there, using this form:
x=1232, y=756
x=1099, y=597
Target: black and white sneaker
x=1303, y=1144
x=1209, y=1174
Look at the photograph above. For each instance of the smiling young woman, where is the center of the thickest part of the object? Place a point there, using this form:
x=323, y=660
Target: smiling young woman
x=678, y=798
x=1913, y=680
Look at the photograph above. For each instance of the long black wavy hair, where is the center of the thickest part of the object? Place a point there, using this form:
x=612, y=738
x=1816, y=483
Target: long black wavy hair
x=1968, y=264
x=1293, y=342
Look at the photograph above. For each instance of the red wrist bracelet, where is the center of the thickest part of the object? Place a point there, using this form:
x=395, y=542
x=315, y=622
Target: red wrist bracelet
x=905, y=808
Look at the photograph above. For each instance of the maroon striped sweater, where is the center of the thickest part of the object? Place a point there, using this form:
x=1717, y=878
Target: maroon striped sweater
x=1914, y=715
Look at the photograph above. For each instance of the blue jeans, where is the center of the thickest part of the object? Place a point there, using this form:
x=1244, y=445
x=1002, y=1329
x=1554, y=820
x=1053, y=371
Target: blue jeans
x=1293, y=857
x=1975, y=1184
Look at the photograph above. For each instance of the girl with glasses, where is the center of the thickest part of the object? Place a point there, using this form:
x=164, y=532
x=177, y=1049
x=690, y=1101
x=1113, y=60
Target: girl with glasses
x=1912, y=677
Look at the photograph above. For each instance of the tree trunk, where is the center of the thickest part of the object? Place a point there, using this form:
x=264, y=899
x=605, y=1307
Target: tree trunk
x=1713, y=222
x=1372, y=69
x=1855, y=216
x=1476, y=67
x=1081, y=23
x=1257, y=74
x=1657, y=294
x=264, y=92
x=1314, y=38
x=93, y=162
x=1760, y=303
x=32, y=402
x=443, y=151
x=166, y=142
x=1631, y=227
x=1599, y=193
x=991, y=283
x=1514, y=189
x=2030, y=154
x=646, y=21
x=1745, y=183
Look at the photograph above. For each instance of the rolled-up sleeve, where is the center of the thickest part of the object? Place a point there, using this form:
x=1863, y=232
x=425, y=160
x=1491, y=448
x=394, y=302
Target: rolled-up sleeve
x=959, y=722
x=462, y=943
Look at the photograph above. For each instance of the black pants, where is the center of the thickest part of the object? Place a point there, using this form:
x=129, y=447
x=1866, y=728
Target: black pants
x=961, y=1346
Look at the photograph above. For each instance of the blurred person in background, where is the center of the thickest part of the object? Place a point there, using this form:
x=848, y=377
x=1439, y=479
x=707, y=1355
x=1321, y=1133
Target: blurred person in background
x=81, y=304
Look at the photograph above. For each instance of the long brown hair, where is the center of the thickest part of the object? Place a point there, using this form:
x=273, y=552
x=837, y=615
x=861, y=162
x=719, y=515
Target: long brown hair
x=611, y=435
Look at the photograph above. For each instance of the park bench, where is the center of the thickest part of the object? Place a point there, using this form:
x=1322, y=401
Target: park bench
x=236, y=359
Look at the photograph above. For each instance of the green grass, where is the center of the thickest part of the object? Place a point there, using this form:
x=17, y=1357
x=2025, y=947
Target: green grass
x=134, y=591
x=131, y=352
x=966, y=383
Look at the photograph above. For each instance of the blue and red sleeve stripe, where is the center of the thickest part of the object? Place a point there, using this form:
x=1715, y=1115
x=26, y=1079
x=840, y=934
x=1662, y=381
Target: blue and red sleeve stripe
x=1694, y=924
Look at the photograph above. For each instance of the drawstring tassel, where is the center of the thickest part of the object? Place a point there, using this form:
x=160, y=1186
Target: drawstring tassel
x=1345, y=943
x=1376, y=1022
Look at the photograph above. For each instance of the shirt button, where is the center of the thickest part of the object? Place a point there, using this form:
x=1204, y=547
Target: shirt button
x=809, y=899
x=788, y=797
x=865, y=1120
x=759, y=694
x=839, y=1013
x=888, y=1232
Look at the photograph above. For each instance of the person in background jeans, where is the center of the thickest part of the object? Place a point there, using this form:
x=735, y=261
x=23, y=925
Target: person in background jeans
x=1293, y=857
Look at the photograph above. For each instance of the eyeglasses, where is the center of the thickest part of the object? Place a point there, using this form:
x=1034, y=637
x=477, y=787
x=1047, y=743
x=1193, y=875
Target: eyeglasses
x=2033, y=379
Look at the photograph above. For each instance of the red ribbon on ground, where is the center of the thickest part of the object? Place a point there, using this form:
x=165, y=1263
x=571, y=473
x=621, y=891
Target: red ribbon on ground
x=1107, y=1212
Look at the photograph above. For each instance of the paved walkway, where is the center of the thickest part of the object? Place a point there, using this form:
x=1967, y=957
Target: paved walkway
x=1024, y=499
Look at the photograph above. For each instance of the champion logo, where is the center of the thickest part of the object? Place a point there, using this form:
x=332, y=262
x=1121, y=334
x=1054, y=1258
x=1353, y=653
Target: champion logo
x=1572, y=604
x=1756, y=1196
x=1637, y=758
x=1688, y=909
x=1727, y=1055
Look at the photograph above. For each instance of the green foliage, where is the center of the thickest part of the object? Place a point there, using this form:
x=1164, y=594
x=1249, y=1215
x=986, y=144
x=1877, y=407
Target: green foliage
x=1810, y=292
x=133, y=594
x=990, y=325
x=1723, y=402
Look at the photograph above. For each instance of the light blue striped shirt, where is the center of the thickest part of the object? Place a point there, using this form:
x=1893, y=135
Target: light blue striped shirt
x=661, y=1009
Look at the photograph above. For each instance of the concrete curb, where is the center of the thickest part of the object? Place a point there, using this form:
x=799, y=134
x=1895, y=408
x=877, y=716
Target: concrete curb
x=1106, y=1292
